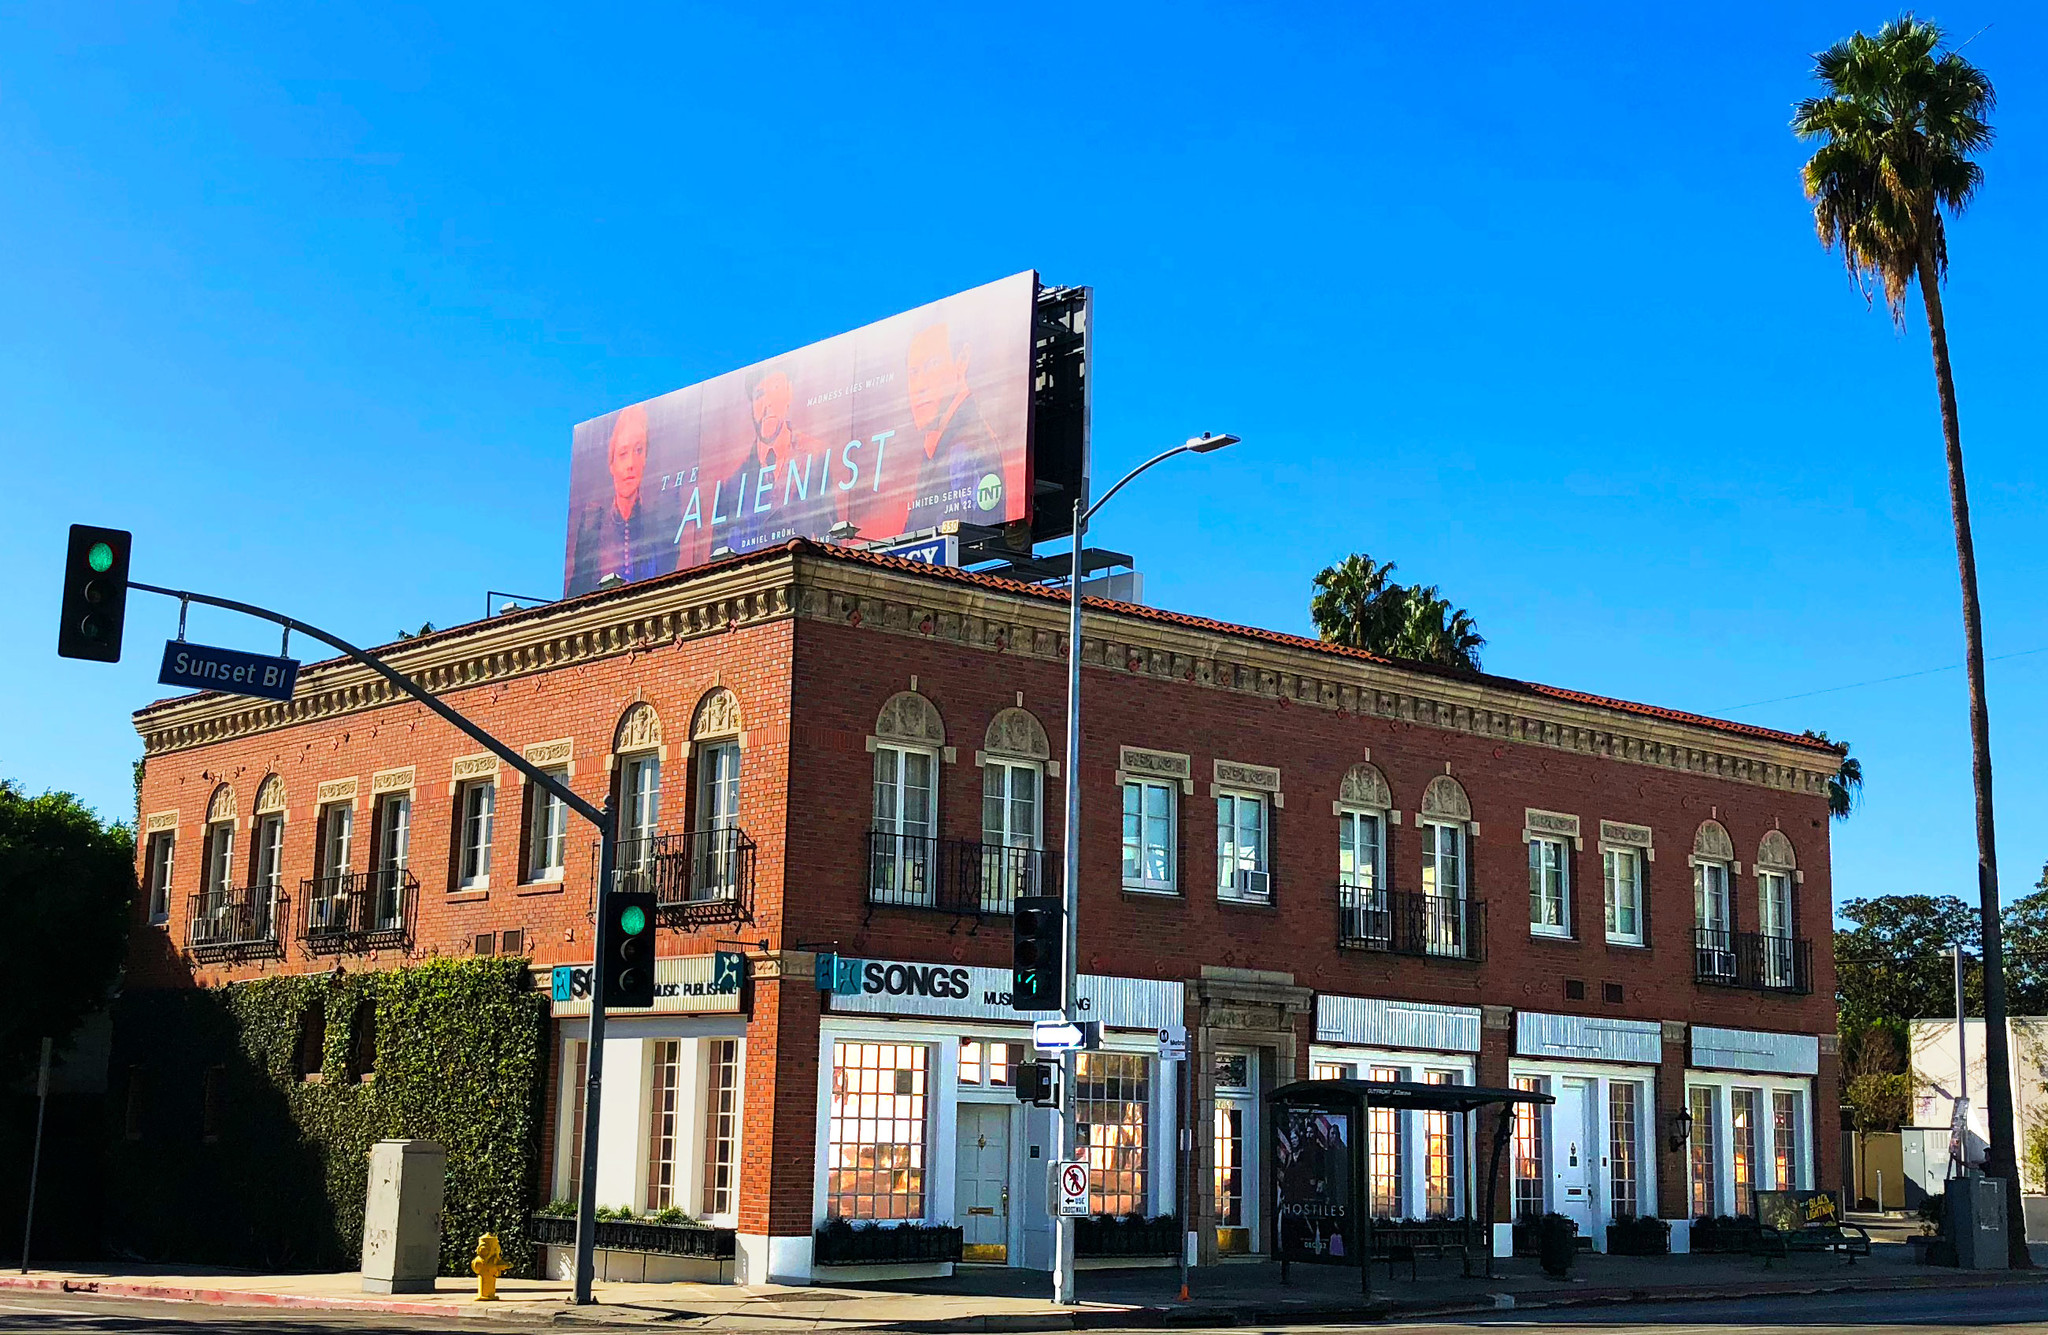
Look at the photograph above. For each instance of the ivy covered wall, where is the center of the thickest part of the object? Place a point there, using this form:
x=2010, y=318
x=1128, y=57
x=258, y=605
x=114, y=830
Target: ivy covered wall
x=241, y=1118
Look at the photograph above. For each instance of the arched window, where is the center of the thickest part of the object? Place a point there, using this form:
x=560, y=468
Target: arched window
x=1363, y=801
x=266, y=863
x=219, y=872
x=902, y=847
x=715, y=740
x=311, y=1057
x=1014, y=761
x=637, y=747
x=1713, y=863
x=1446, y=821
x=1776, y=872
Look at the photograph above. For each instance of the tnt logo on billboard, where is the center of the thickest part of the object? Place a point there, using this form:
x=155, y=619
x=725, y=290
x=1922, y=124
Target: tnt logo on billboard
x=990, y=493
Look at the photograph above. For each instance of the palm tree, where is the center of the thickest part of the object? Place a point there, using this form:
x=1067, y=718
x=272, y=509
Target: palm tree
x=1436, y=632
x=1357, y=604
x=1896, y=126
x=1845, y=786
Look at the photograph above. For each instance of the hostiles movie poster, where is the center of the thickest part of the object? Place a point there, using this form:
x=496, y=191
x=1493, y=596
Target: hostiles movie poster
x=1312, y=1151
x=919, y=418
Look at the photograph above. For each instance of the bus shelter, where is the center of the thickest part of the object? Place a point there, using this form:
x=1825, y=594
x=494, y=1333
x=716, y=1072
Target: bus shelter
x=1320, y=1144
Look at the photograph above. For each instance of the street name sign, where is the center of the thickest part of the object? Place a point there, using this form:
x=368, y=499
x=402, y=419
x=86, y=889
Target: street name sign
x=214, y=669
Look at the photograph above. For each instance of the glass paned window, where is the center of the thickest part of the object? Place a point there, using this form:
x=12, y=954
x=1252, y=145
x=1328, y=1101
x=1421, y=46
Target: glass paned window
x=220, y=855
x=1742, y=1115
x=1547, y=874
x=394, y=846
x=1230, y=1165
x=1715, y=946
x=1624, y=895
x=718, y=821
x=901, y=869
x=1443, y=861
x=1149, y=836
x=1389, y=1169
x=875, y=1164
x=1233, y=1070
x=1706, y=1153
x=1623, y=1156
x=1784, y=1140
x=1774, y=921
x=337, y=838
x=1241, y=847
x=1009, y=833
x=989, y=1065
x=1531, y=1175
x=1334, y=1071
x=478, y=804
x=270, y=852
x=1440, y=1155
x=547, y=840
x=642, y=790
x=1360, y=848
x=1113, y=1104
x=578, y=1067
x=721, y=1122
x=664, y=1097
x=160, y=854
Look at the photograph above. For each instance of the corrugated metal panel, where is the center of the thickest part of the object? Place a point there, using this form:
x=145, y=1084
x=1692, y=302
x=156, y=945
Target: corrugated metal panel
x=682, y=986
x=977, y=992
x=1755, y=1050
x=1374, y=1022
x=1588, y=1038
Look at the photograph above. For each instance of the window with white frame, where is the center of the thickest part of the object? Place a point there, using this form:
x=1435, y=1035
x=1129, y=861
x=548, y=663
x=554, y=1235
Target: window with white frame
x=1113, y=1102
x=875, y=1143
x=721, y=1124
x=1532, y=1178
x=1742, y=1122
x=1443, y=887
x=1441, y=1132
x=337, y=838
x=1624, y=875
x=1241, y=847
x=159, y=856
x=1549, y=887
x=1361, y=877
x=1705, y=1158
x=640, y=794
x=270, y=855
x=1150, y=826
x=220, y=859
x=476, y=804
x=577, y=1071
x=1624, y=1148
x=1713, y=927
x=394, y=848
x=1774, y=925
x=1010, y=831
x=1389, y=1159
x=1785, y=1129
x=902, y=865
x=664, y=1123
x=547, y=833
x=987, y=1064
x=718, y=820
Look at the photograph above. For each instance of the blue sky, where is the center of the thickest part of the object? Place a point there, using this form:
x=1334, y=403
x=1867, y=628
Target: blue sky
x=310, y=296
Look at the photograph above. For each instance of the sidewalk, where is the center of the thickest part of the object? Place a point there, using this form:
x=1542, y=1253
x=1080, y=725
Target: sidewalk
x=997, y=1299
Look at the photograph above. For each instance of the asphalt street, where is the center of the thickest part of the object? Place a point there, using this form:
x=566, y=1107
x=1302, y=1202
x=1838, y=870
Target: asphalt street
x=2021, y=1309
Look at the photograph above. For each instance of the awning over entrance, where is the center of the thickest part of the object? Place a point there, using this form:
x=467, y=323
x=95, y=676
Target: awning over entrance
x=1320, y=1143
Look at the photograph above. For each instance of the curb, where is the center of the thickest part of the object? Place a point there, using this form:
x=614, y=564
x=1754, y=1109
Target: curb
x=246, y=1298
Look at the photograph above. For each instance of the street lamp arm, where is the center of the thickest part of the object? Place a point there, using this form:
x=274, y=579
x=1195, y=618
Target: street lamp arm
x=1160, y=458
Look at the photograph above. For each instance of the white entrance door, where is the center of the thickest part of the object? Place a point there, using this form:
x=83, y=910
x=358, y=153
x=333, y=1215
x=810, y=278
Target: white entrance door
x=1573, y=1153
x=982, y=1178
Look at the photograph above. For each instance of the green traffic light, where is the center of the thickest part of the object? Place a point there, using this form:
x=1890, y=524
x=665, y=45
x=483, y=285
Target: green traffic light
x=100, y=558
x=633, y=921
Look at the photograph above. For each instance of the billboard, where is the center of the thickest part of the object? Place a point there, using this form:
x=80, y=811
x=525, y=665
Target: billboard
x=1312, y=1153
x=894, y=427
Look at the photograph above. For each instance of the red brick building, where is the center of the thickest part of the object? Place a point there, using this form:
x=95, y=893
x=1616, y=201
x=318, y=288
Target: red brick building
x=1320, y=861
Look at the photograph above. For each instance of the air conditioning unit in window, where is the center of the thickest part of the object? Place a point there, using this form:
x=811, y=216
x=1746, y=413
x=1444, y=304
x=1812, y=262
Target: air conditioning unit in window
x=1252, y=884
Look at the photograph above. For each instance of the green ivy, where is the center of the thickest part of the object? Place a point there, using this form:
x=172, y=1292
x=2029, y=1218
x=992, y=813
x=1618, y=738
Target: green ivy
x=461, y=1059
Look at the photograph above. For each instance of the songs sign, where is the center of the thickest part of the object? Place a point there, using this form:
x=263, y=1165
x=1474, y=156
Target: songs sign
x=894, y=427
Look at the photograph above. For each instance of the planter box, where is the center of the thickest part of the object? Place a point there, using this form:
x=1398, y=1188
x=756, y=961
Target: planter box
x=903, y=1244
x=1643, y=1236
x=636, y=1235
x=1112, y=1235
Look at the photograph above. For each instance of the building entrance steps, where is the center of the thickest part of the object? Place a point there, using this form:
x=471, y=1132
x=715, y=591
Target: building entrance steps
x=990, y=1298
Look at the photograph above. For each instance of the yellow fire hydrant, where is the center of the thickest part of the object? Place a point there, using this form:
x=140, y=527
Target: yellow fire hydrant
x=488, y=1265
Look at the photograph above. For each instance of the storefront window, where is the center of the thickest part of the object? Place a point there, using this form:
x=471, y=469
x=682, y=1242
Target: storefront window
x=1742, y=1106
x=578, y=1067
x=1113, y=1104
x=1784, y=1139
x=1622, y=1155
x=1388, y=1163
x=1706, y=1158
x=721, y=1122
x=1530, y=1177
x=1229, y=1165
x=663, y=1112
x=1334, y=1070
x=989, y=1064
x=1440, y=1155
x=876, y=1151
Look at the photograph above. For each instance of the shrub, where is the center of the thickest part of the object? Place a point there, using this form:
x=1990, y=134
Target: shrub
x=1557, y=1244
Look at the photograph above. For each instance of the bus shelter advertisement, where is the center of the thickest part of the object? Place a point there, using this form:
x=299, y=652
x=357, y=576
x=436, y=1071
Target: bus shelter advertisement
x=894, y=428
x=1312, y=1152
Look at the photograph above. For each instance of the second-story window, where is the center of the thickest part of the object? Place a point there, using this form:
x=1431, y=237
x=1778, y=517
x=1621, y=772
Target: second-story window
x=337, y=838
x=220, y=855
x=1549, y=887
x=269, y=865
x=547, y=839
x=1241, y=871
x=476, y=805
x=1150, y=826
x=393, y=824
x=905, y=820
x=1623, y=868
x=159, y=856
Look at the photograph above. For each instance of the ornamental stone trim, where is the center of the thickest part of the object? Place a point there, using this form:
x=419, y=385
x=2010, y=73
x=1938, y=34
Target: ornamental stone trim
x=1552, y=824
x=1775, y=852
x=484, y=766
x=270, y=796
x=1626, y=836
x=1135, y=763
x=221, y=808
x=392, y=780
x=717, y=715
x=1363, y=786
x=335, y=790
x=560, y=751
x=157, y=822
x=1710, y=843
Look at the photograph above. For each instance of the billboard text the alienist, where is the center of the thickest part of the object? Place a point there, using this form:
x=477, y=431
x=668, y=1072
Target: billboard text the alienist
x=894, y=427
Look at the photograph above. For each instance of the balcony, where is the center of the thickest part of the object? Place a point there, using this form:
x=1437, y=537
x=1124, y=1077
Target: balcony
x=1758, y=961
x=705, y=876
x=958, y=876
x=348, y=913
x=237, y=922
x=1400, y=923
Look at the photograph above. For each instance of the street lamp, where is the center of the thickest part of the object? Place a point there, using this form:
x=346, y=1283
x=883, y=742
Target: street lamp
x=1063, y=1227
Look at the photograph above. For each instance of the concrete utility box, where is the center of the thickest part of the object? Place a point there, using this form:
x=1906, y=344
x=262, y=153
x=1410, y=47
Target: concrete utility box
x=402, y=1216
x=1976, y=1220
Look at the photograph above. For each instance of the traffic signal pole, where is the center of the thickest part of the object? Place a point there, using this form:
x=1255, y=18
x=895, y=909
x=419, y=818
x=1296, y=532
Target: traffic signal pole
x=604, y=817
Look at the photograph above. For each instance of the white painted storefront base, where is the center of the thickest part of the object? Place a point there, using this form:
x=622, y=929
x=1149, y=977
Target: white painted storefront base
x=1681, y=1236
x=636, y=1267
x=763, y=1259
x=1503, y=1240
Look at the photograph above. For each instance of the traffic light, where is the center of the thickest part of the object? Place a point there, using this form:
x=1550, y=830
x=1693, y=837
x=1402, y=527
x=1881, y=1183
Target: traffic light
x=1036, y=953
x=95, y=594
x=626, y=980
x=1036, y=1083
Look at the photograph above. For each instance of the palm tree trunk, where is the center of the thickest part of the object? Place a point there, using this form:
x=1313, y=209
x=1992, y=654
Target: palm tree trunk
x=2002, y=1161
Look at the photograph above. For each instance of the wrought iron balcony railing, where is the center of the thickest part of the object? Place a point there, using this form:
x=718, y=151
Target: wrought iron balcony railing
x=354, y=911
x=704, y=876
x=1402, y=923
x=1759, y=961
x=958, y=876
x=237, y=922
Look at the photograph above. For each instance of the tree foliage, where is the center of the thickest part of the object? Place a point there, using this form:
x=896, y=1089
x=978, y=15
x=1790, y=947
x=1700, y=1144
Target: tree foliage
x=66, y=882
x=1356, y=603
x=1845, y=785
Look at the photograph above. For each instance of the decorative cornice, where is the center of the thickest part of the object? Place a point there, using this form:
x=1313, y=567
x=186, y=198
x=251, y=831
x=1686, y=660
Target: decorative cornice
x=997, y=619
